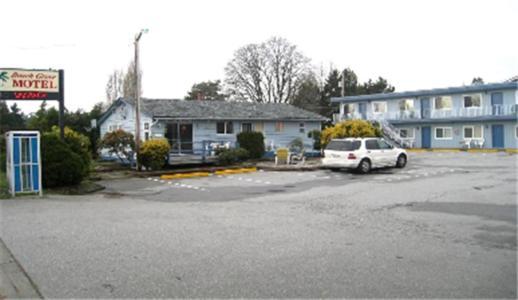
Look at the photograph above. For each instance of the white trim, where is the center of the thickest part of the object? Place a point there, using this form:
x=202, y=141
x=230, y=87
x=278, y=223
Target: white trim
x=442, y=138
x=378, y=102
x=472, y=107
x=225, y=131
x=435, y=108
x=473, y=130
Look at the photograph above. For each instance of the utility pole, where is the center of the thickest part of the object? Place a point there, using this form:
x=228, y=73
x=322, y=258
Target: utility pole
x=137, y=96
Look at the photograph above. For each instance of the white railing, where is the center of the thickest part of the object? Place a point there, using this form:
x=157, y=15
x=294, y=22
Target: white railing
x=497, y=110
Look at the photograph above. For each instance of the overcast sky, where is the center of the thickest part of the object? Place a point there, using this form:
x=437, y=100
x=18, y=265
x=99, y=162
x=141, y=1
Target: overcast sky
x=414, y=44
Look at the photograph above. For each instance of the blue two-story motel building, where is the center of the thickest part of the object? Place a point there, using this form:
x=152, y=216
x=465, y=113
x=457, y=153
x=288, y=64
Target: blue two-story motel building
x=474, y=116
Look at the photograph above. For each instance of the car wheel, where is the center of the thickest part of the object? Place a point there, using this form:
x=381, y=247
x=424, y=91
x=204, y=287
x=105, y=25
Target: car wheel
x=364, y=166
x=401, y=161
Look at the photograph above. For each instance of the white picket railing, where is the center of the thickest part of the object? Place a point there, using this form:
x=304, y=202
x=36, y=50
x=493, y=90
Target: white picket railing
x=497, y=110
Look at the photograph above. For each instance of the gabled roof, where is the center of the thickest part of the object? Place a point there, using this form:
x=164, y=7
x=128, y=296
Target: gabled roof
x=432, y=92
x=218, y=110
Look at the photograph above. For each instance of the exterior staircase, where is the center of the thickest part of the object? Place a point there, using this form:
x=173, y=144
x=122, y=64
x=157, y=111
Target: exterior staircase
x=392, y=134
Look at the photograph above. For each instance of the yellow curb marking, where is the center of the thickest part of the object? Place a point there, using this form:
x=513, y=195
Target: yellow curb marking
x=206, y=174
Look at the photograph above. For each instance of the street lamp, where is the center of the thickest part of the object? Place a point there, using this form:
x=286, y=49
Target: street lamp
x=137, y=96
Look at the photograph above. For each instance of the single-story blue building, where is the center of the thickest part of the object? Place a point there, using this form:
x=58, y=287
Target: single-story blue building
x=194, y=126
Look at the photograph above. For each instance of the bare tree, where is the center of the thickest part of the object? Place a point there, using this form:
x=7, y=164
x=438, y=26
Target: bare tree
x=266, y=72
x=129, y=86
x=114, y=86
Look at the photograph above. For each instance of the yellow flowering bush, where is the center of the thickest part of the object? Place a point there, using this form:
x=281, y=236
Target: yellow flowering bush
x=350, y=128
x=153, y=153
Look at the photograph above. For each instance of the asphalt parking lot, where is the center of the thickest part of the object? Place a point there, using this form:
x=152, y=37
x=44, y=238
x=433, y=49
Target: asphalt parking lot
x=445, y=226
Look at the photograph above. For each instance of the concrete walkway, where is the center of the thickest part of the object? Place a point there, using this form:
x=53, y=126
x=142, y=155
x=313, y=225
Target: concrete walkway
x=14, y=282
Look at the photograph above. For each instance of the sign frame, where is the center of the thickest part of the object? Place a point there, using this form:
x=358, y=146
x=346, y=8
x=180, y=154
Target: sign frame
x=27, y=93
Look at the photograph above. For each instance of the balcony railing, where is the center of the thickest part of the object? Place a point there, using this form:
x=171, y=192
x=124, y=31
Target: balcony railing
x=496, y=110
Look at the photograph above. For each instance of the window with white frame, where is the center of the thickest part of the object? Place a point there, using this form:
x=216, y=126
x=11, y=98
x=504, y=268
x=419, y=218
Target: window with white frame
x=112, y=128
x=516, y=132
x=379, y=107
x=406, y=104
x=474, y=100
x=146, y=126
x=246, y=127
x=406, y=133
x=259, y=127
x=349, y=108
x=473, y=132
x=443, y=133
x=302, y=127
x=442, y=102
x=224, y=127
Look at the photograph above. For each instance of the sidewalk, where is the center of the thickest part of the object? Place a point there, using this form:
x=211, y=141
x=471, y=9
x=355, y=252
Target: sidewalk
x=14, y=282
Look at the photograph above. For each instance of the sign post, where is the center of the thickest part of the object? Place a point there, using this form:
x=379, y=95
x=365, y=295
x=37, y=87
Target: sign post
x=28, y=85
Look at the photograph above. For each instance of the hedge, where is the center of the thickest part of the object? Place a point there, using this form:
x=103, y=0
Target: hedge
x=253, y=142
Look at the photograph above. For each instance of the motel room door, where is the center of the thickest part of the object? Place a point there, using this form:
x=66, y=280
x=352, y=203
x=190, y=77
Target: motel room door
x=497, y=102
x=426, y=137
x=497, y=132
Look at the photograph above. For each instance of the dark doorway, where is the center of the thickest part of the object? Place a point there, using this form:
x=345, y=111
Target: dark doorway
x=179, y=135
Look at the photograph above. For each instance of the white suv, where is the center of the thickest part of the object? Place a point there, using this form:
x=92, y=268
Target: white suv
x=363, y=154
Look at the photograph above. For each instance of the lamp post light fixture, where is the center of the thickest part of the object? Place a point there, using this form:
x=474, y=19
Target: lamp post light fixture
x=137, y=95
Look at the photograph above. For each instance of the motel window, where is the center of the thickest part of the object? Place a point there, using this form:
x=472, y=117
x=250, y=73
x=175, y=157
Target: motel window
x=279, y=126
x=473, y=132
x=443, y=133
x=406, y=104
x=472, y=100
x=443, y=102
x=406, y=133
x=349, y=108
x=379, y=107
x=246, y=127
x=224, y=127
x=516, y=132
x=146, y=126
x=302, y=127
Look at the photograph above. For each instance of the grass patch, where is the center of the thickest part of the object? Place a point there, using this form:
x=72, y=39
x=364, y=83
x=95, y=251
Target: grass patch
x=4, y=189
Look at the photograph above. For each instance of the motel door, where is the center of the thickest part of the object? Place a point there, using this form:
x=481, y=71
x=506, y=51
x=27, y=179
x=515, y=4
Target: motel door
x=426, y=137
x=362, y=108
x=497, y=131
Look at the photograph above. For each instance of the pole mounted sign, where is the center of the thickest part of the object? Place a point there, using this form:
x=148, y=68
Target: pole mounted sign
x=23, y=84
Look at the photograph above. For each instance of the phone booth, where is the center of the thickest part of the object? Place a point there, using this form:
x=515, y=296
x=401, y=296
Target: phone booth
x=23, y=162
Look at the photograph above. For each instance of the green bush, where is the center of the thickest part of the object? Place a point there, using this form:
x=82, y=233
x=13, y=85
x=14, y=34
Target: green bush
x=120, y=143
x=253, y=142
x=2, y=154
x=230, y=156
x=60, y=165
x=79, y=144
x=351, y=128
x=153, y=153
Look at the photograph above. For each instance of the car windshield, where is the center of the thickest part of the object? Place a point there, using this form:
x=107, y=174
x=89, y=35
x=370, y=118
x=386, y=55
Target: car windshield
x=343, y=145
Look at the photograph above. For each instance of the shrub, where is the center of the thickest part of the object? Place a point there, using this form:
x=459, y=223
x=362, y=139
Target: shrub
x=60, y=165
x=315, y=135
x=230, y=156
x=2, y=154
x=153, y=153
x=120, y=143
x=78, y=143
x=253, y=142
x=351, y=128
